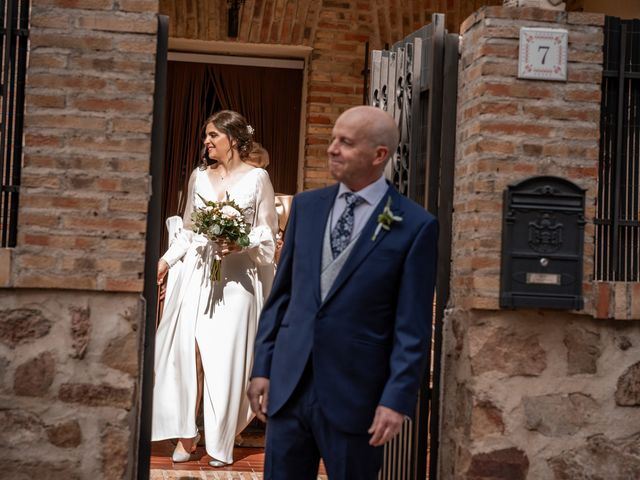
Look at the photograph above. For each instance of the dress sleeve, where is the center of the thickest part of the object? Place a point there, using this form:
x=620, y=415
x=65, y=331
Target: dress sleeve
x=180, y=245
x=262, y=243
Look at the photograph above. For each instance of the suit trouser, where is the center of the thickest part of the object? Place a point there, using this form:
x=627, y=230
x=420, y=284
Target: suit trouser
x=299, y=435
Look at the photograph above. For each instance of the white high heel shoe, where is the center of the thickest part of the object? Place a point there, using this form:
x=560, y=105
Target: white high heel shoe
x=218, y=463
x=179, y=457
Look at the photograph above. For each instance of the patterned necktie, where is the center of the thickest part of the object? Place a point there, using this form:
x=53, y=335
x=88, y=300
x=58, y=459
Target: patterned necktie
x=341, y=233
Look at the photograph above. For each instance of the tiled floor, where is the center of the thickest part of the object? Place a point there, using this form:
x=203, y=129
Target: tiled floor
x=247, y=465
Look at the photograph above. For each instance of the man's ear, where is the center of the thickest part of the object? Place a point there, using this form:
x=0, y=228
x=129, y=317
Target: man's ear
x=382, y=152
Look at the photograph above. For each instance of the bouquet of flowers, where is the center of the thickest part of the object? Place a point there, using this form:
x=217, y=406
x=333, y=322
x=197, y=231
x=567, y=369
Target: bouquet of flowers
x=221, y=221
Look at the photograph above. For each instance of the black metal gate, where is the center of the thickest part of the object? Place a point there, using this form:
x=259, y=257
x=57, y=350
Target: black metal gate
x=617, y=245
x=14, y=18
x=416, y=81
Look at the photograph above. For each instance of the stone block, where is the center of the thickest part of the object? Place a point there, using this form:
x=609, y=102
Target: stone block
x=559, y=415
x=34, y=377
x=583, y=350
x=22, y=325
x=30, y=468
x=102, y=395
x=65, y=435
x=80, y=329
x=505, y=464
x=628, y=387
x=599, y=458
x=115, y=452
x=510, y=353
x=122, y=353
x=20, y=428
x=486, y=419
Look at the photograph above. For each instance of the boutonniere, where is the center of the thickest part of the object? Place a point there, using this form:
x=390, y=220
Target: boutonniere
x=385, y=219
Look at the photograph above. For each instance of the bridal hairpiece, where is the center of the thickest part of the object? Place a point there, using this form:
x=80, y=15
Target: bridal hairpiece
x=250, y=129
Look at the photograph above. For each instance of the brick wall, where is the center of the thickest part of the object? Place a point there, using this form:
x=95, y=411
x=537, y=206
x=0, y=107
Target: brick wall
x=89, y=100
x=336, y=30
x=510, y=129
x=532, y=393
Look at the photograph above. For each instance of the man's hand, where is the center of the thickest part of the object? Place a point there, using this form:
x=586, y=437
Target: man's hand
x=386, y=425
x=258, y=394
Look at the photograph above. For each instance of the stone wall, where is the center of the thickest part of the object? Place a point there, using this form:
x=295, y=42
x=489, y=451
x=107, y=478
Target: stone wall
x=532, y=393
x=336, y=30
x=68, y=384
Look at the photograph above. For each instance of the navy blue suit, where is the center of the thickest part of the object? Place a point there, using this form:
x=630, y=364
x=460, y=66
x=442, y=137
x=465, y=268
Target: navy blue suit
x=368, y=341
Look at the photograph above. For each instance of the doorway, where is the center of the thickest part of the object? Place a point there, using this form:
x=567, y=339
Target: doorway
x=267, y=91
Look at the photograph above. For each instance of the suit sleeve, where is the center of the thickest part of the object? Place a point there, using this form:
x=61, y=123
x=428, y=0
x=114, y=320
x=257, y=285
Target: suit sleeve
x=276, y=305
x=412, y=332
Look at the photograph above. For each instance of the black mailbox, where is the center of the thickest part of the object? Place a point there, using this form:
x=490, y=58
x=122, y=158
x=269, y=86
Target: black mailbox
x=542, y=244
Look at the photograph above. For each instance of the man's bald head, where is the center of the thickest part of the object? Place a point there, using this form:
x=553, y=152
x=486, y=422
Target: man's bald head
x=377, y=125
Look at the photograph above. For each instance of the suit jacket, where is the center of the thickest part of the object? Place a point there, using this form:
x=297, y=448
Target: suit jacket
x=369, y=339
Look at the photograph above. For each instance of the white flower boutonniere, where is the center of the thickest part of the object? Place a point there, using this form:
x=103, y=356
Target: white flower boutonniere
x=385, y=219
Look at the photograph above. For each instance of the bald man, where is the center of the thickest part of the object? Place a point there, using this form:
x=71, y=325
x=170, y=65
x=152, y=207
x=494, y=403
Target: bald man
x=343, y=340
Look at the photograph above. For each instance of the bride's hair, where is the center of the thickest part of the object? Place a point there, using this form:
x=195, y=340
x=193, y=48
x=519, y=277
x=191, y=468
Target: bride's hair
x=234, y=126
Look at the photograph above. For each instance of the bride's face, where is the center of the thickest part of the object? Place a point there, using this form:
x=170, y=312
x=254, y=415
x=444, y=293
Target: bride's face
x=217, y=144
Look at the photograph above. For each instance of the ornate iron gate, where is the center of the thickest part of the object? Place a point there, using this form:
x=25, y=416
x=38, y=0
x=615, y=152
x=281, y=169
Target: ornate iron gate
x=416, y=81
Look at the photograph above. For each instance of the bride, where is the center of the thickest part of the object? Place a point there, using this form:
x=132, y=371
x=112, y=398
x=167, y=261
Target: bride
x=204, y=342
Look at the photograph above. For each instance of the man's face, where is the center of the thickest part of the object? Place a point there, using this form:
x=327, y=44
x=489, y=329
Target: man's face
x=351, y=155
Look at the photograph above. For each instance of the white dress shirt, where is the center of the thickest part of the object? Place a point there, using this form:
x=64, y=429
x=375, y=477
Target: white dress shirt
x=372, y=194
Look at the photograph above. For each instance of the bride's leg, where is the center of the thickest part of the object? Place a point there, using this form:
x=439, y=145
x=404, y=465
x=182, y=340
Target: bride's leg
x=186, y=446
x=200, y=378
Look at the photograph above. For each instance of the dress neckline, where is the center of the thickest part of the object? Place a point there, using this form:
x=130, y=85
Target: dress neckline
x=232, y=186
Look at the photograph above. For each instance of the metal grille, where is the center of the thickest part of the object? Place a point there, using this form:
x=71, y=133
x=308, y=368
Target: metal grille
x=416, y=82
x=617, y=245
x=15, y=32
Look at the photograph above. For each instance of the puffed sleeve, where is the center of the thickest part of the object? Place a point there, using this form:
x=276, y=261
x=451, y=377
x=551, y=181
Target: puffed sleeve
x=262, y=245
x=183, y=237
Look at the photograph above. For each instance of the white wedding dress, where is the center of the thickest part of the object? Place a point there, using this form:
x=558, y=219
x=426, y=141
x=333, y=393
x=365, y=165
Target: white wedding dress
x=221, y=316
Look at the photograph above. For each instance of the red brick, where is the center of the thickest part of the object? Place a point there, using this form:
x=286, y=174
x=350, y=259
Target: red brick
x=94, y=104
x=74, y=82
x=128, y=205
x=74, y=42
x=583, y=95
x=150, y=6
x=105, y=224
x=118, y=245
x=129, y=23
x=45, y=101
x=136, y=44
x=517, y=128
x=41, y=201
x=37, y=140
x=67, y=120
x=44, y=262
x=42, y=58
x=83, y=4
x=124, y=285
x=29, y=179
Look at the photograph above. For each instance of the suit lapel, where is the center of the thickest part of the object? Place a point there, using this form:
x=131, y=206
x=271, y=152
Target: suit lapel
x=316, y=235
x=365, y=243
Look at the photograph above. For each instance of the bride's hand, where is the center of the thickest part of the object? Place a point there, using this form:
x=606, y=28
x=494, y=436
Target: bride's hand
x=227, y=248
x=163, y=268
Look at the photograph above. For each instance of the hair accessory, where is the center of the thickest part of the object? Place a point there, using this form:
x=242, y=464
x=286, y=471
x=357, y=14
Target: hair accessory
x=250, y=129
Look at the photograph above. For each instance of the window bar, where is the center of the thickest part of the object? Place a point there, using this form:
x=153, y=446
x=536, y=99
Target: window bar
x=617, y=264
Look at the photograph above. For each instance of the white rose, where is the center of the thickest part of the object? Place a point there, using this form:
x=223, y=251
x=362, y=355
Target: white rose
x=229, y=212
x=208, y=209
